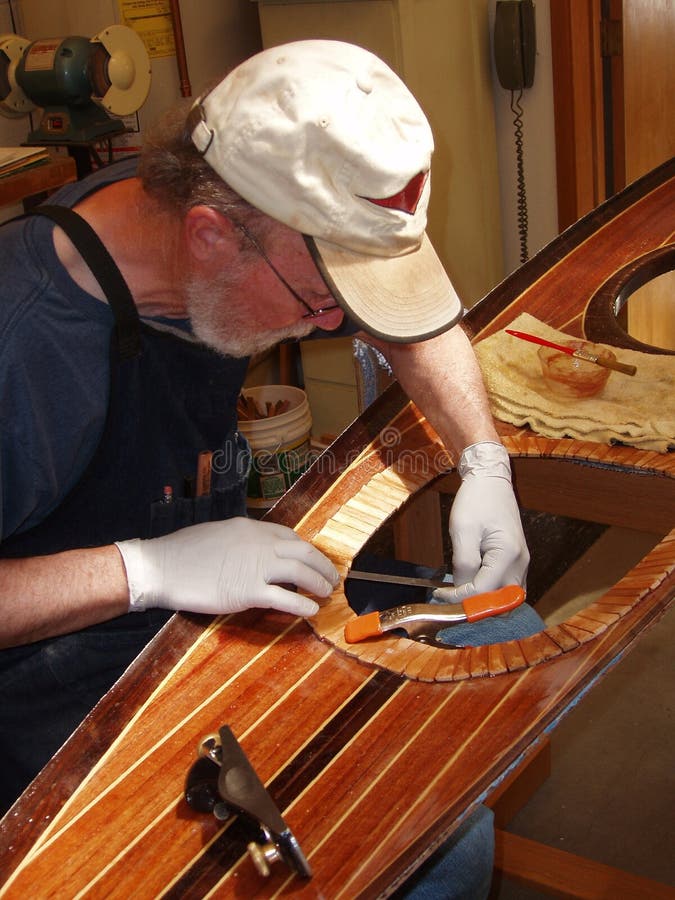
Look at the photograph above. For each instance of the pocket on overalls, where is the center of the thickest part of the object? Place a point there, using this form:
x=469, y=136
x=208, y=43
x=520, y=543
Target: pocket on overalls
x=167, y=516
x=227, y=497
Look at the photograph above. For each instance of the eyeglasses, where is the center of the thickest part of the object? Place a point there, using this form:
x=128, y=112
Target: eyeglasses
x=311, y=313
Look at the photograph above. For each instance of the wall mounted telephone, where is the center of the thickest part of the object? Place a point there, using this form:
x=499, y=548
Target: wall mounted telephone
x=514, y=43
x=515, y=50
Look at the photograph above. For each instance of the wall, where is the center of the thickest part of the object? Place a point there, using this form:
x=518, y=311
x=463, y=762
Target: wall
x=649, y=83
x=538, y=149
x=218, y=34
x=441, y=50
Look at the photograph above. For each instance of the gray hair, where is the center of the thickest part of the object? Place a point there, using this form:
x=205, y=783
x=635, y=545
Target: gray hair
x=177, y=177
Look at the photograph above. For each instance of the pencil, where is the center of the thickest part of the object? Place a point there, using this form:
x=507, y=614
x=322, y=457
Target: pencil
x=204, y=473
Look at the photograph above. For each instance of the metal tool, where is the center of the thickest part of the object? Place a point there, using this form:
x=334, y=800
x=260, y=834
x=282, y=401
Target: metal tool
x=399, y=579
x=224, y=782
x=423, y=621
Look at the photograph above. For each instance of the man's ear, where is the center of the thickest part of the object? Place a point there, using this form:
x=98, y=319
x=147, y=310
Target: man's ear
x=210, y=235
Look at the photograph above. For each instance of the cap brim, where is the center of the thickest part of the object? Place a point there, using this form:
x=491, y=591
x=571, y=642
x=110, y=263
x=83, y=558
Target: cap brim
x=400, y=298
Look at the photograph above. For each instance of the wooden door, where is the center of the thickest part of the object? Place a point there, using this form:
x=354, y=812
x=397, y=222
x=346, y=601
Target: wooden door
x=614, y=79
x=649, y=88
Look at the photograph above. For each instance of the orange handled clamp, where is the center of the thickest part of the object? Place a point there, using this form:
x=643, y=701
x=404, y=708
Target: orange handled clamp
x=423, y=621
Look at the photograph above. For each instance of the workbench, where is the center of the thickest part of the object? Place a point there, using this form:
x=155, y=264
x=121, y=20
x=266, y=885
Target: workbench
x=37, y=181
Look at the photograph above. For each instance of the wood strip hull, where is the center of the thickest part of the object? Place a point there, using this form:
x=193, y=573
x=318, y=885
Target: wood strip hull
x=372, y=761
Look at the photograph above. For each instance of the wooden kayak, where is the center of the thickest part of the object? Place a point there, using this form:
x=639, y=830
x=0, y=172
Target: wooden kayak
x=372, y=752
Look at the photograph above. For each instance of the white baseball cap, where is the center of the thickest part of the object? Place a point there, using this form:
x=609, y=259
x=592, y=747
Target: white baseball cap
x=324, y=137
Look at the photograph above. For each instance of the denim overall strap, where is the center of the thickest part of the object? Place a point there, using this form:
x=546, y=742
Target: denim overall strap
x=169, y=399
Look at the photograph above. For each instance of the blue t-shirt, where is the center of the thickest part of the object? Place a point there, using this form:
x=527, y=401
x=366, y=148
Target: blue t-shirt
x=54, y=364
x=54, y=369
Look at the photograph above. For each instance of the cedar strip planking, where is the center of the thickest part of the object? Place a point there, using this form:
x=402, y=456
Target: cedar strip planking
x=646, y=575
x=597, y=245
x=430, y=749
x=430, y=702
x=496, y=662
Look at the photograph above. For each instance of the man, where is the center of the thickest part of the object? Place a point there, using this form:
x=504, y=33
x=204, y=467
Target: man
x=292, y=199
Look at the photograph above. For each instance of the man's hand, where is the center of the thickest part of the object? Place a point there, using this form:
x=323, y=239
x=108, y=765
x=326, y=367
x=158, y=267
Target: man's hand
x=226, y=567
x=488, y=544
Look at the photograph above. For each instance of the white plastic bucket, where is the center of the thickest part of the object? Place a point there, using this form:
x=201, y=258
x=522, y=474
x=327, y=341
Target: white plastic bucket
x=280, y=444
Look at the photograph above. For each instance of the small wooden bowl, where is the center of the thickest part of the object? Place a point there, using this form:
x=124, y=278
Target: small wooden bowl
x=571, y=377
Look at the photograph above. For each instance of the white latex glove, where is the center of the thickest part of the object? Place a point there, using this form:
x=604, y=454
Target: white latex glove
x=488, y=544
x=226, y=567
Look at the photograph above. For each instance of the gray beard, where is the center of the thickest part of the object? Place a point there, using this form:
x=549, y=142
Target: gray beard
x=229, y=331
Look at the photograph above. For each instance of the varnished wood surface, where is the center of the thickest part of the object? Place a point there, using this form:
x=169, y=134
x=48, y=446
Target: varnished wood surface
x=369, y=766
x=562, y=874
x=344, y=534
x=36, y=180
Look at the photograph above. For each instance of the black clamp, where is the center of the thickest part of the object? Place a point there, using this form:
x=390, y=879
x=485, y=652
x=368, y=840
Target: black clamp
x=223, y=782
